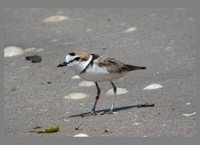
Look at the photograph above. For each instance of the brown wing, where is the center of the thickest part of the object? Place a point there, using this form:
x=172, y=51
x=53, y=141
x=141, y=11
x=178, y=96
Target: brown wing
x=112, y=65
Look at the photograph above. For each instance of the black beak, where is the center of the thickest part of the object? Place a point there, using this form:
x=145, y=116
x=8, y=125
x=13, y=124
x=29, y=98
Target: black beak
x=62, y=64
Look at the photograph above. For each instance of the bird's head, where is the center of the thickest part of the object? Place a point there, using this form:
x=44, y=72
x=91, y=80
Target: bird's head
x=74, y=59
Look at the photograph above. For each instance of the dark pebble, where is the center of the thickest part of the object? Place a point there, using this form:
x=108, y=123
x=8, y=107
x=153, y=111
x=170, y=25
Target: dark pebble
x=34, y=58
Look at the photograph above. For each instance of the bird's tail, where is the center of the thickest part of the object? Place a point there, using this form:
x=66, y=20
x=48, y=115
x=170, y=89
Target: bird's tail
x=129, y=67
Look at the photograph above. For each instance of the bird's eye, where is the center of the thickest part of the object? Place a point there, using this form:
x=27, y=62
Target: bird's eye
x=77, y=58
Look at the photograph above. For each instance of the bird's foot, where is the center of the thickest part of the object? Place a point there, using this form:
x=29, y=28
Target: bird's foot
x=110, y=112
x=92, y=113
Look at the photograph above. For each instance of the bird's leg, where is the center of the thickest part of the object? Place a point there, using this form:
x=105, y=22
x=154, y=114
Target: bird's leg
x=97, y=98
x=113, y=99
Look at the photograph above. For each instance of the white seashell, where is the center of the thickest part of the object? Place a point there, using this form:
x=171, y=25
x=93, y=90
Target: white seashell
x=120, y=91
x=76, y=77
x=55, y=19
x=153, y=87
x=12, y=51
x=131, y=29
x=189, y=114
x=188, y=103
x=81, y=135
x=75, y=96
x=86, y=84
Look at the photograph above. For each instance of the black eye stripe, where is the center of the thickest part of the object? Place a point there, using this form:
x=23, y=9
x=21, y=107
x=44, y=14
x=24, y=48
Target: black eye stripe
x=77, y=58
x=72, y=54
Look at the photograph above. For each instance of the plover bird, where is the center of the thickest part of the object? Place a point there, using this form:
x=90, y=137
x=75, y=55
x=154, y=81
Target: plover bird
x=96, y=68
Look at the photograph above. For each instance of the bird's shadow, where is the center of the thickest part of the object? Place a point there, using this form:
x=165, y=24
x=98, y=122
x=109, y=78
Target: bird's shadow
x=115, y=110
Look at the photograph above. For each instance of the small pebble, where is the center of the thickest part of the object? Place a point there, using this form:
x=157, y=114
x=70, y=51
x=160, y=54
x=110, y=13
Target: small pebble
x=34, y=58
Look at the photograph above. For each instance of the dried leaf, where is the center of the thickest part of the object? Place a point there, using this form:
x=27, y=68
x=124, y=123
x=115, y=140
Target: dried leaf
x=107, y=131
x=79, y=127
x=52, y=129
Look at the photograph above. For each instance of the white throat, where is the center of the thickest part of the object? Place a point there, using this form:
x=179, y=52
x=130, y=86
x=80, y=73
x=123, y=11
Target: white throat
x=81, y=66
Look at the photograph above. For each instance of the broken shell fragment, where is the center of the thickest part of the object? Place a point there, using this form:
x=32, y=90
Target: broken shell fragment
x=120, y=91
x=153, y=87
x=76, y=77
x=75, y=96
x=55, y=19
x=81, y=135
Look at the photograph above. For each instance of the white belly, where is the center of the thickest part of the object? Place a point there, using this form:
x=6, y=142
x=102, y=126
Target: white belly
x=99, y=77
x=97, y=74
